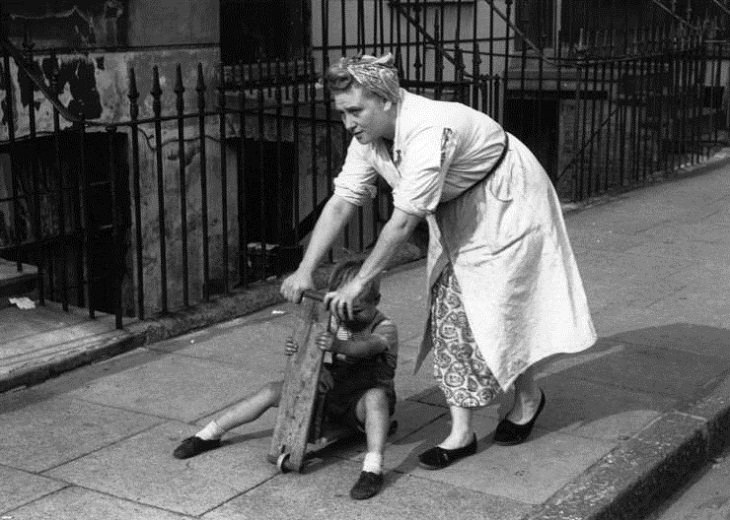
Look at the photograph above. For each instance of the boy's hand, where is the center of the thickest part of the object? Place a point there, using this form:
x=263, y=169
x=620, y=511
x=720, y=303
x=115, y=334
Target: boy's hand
x=291, y=347
x=325, y=341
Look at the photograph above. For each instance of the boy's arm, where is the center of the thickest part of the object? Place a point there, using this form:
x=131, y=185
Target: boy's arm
x=363, y=348
x=384, y=338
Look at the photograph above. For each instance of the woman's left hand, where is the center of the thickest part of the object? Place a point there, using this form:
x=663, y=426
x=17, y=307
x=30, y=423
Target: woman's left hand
x=341, y=302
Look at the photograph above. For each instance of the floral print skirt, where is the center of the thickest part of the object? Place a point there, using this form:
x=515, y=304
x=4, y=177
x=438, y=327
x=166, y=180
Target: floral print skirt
x=459, y=366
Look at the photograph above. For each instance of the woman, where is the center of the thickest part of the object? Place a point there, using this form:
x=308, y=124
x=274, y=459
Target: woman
x=505, y=291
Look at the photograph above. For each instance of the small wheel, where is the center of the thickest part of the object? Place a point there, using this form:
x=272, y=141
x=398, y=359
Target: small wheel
x=281, y=462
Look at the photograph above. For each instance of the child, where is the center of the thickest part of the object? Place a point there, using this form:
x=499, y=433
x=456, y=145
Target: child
x=360, y=377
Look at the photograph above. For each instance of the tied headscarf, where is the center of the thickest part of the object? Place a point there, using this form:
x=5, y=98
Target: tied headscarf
x=378, y=75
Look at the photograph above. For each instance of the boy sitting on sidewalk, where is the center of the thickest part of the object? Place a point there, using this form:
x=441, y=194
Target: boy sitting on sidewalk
x=360, y=380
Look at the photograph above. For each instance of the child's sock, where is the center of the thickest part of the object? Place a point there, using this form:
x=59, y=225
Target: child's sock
x=373, y=462
x=211, y=432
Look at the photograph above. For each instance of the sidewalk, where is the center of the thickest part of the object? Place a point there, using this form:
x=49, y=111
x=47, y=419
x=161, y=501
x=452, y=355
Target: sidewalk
x=625, y=421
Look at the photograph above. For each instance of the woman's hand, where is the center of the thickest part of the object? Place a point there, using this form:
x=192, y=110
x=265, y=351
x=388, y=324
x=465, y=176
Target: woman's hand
x=293, y=287
x=341, y=302
x=325, y=341
x=290, y=347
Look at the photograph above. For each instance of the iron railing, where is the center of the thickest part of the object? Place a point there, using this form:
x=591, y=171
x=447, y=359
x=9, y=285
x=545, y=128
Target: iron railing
x=213, y=178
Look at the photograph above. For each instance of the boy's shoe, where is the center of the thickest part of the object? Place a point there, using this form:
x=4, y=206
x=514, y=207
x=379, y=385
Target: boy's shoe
x=193, y=446
x=367, y=485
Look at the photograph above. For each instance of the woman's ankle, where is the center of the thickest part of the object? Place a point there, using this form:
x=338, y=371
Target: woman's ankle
x=457, y=440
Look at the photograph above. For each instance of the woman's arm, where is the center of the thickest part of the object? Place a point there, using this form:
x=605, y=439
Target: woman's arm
x=335, y=215
x=396, y=231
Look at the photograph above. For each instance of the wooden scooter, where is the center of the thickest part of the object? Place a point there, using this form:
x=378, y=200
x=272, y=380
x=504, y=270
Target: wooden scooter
x=301, y=426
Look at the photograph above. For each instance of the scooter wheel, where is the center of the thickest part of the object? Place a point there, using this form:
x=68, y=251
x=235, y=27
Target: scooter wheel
x=281, y=462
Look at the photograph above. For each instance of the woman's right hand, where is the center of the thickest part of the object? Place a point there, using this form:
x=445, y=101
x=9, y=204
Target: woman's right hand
x=293, y=286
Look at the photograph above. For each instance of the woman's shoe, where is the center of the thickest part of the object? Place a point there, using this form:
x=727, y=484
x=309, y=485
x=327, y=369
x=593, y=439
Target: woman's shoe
x=439, y=458
x=510, y=434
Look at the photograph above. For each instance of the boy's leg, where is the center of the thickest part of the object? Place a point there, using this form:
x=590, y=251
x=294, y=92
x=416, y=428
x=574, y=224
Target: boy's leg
x=247, y=410
x=251, y=407
x=372, y=410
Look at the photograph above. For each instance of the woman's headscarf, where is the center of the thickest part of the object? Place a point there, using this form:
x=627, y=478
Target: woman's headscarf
x=378, y=75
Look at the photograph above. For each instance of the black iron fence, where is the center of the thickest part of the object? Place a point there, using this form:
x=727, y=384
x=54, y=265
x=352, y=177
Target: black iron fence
x=213, y=179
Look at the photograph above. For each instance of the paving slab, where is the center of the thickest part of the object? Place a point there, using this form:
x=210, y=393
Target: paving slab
x=694, y=307
x=590, y=237
x=404, y=301
x=19, y=487
x=712, y=254
x=142, y=469
x=528, y=473
x=632, y=266
x=598, y=411
x=670, y=373
x=75, y=504
x=687, y=337
x=174, y=387
x=254, y=341
x=53, y=431
x=323, y=495
x=260, y=346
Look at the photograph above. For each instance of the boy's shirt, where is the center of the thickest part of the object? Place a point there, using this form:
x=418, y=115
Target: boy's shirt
x=378, y=370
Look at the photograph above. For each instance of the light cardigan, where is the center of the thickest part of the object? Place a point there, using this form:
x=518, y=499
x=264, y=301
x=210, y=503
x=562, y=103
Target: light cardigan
x=506, y=239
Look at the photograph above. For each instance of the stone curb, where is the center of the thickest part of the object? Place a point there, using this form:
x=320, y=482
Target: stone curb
x=641, y=473
x=256, y=297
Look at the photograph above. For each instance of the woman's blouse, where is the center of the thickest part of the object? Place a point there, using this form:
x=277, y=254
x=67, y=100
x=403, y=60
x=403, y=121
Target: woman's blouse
x=440, y=149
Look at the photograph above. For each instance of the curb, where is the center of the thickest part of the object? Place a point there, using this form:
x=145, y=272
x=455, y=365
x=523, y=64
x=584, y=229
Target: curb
x=254, y=298
x=638, y=475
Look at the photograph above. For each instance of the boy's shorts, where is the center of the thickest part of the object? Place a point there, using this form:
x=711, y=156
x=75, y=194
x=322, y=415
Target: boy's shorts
x=342, y=408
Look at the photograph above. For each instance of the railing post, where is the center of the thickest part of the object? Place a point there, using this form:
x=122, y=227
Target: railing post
x=242, y=215
x=224, y=172
x=118, y=262
x=86, y=211
x=35, y=182
x=200, y=89
x=180, y=105
x=157, y=112
x=61, y=187
x=10, y=117
x=133, y=95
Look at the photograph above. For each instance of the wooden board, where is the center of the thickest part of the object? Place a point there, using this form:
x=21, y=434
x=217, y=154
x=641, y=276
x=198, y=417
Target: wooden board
x=299, y=393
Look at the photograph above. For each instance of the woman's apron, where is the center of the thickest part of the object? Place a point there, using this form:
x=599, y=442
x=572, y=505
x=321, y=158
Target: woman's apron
x=510, y=252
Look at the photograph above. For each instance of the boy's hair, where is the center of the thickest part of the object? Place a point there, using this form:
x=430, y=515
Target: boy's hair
x=346, y=271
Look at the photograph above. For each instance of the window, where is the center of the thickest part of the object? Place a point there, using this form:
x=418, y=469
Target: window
x=536, y=21
x=266, y=30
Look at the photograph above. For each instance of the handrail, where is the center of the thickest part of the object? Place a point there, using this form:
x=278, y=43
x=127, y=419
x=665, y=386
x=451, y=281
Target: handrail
x=674, y=15
x=721, y=6
x=586, y=144
x=40, y=83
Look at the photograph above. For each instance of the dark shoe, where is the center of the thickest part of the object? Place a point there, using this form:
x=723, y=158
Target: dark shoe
x=367, y=485
x=510, y=434
x=193, y=446
x=438, y=458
